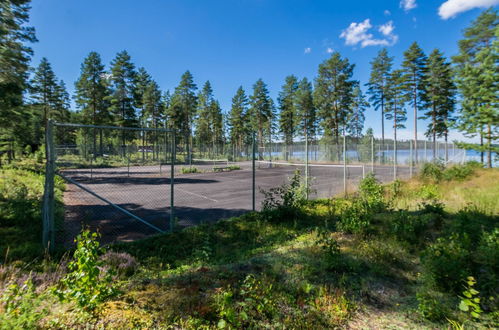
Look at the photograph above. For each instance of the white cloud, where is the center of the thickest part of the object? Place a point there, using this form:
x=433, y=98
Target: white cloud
x=359, y=33
x=408, y=4
x=451, y=8
x=387, y=12
x=307, y=50
x=329, y=50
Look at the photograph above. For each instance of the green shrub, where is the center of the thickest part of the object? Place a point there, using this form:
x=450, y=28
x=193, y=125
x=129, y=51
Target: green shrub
x=289, y=195
x=432, y=305
x=432, y=171
x=84, y=283
x=487, y=260
x=371, y=193
x=20, y=307
x=189, y=170
x=330, y=248
x=428, y=192
x=447, y=262
x=355, y=219
x=458, y=172
x=409, y=227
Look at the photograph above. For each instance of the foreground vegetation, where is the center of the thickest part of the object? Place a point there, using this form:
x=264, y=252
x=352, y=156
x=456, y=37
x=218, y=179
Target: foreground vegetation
x=419, y=254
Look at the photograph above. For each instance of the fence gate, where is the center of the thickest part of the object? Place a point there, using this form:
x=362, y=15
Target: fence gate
x=108, y=172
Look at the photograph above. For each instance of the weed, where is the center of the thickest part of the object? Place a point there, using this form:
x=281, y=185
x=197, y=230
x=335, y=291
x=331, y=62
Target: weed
x=470, y=302
x=432, y=171
x=355, y=219
x=189, y=170
x=84, y=283
x=371, y=193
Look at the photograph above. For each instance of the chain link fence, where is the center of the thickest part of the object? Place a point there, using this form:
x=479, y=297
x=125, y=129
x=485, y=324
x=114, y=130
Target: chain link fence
x=130, y=183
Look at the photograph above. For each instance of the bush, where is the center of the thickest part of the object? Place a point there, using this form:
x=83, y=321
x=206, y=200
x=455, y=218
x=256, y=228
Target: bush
x=84, y=283
x=447, y=262
x=330, y=247
x=289, y=195
x=432, y=171
x=355, y=219
x=189, y=170
x=410, y=228
x=120, y=263
x=371, y=193
x=432, y=305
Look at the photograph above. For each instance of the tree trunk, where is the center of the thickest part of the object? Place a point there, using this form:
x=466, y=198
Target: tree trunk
x=481, y=147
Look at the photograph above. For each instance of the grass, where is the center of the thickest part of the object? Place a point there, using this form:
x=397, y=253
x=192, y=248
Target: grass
x=292, y=267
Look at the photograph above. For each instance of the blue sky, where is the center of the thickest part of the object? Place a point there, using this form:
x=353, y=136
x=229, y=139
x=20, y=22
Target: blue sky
x=235, y=42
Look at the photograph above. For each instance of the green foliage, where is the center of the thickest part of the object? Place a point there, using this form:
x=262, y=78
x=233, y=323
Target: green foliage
x=330, y=247
x=432, y=171
x=429, y=193
x=371, y=192
x=460, y=172
x=355, y=219
x=84, y=283
x=20, y=307
x=410, y=227
x=446, y=262
x=244, y=308
x=432, y=305
x=470, y=302
x=189, y=170
x=288, y=196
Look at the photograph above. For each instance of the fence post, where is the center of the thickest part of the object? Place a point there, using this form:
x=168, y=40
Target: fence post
x=48, y=234
x=372, y=154
x=306, y=164
x=394, y=159
x=172, y=182
x=344, y=164
x=253, y=169
x=410, y=159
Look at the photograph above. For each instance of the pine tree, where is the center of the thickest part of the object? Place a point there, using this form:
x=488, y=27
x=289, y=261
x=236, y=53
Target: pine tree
x=45, y=95
x=439, y=97
x=91, y=95
x=475, y=69
x=356, y=115
x=142, y=80
x=261, y=112
x=414, y=66
x=287, y=109
x=203, y=117
x=14, y=64
x=122, y=83
x=333, y=94
x=395, y=106
x=381, y=68
x=216, y=126
x=237, y=120
x=182, y=110
x=306, y=116
x=153, y=112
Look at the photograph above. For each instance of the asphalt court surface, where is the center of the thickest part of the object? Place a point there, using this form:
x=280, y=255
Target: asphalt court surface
x=199, y=197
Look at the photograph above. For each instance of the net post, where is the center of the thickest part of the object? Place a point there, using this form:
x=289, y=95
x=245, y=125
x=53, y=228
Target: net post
x=344, y=164
x=425, y=155
x=253, y=170
x=48, y=233
x=172, y=182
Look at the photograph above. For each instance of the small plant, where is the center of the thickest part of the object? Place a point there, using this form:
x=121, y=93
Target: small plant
x=19, y=307
x=470, y=302
x=234, y=167
x=408, y=227
x=203, y=251
x=289, y=195
x=431, y=305
x=429, y=193
x=189, y=170
x=355, y=219
x=247, y=306
x=371, y=193
x=330, y=247
x=432, y=171
x=84, y=283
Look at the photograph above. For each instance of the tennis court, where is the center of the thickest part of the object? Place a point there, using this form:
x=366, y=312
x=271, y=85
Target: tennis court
x=198, y=197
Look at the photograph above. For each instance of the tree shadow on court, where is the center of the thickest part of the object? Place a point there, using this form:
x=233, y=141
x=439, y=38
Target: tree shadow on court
x=123, y=180
x=116, y=226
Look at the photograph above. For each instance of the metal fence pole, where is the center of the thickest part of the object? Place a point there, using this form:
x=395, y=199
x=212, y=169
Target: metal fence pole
x=410, y=159
x=306, y=164
x=394, y=159
x=344, y=164
x=425, y=155
x=172, y=182
x=48, y=233
x=253, y=169
x=372, y=154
